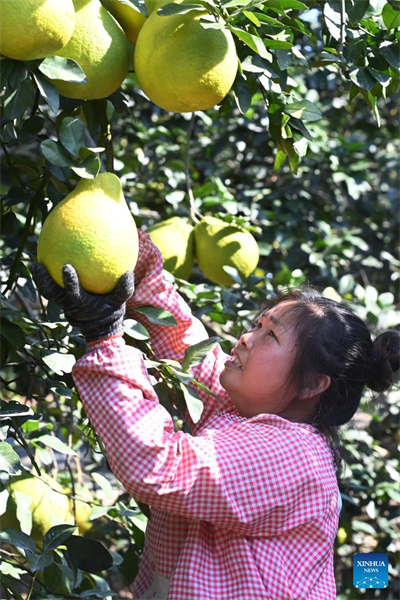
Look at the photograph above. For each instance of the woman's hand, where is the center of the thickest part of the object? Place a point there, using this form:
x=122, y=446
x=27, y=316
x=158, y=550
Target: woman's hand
x=97, y=316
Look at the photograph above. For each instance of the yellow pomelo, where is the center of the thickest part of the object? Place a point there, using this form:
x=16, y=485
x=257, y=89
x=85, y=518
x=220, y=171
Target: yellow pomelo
x=180, y=65
x=92, y=229
x=174, y=238
x=83, y=510
x=130, y=19
x=49, y=505
x=31, y=29
x=218, y=243
x=100, y=48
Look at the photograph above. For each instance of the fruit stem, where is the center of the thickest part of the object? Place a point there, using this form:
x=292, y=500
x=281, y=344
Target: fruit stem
x=195, y=215
x=100, y=112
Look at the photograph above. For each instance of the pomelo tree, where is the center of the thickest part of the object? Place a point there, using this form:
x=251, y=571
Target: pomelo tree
x=302, y=153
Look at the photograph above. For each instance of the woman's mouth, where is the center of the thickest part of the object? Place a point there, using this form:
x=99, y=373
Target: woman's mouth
x=234, y=361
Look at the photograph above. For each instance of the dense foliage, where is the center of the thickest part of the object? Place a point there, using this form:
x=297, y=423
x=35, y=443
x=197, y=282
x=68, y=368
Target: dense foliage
x=303, y=152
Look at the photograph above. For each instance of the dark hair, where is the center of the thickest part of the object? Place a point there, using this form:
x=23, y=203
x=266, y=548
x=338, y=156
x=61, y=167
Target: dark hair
x=332, y=340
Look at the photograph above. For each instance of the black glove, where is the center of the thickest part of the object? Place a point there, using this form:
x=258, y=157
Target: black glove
x=97, y=316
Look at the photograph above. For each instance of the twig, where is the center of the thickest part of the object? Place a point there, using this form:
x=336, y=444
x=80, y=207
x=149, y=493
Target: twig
x=194, y=213
x=22, y=442
x=342, y=25
x=31, y=211
x=100, y=112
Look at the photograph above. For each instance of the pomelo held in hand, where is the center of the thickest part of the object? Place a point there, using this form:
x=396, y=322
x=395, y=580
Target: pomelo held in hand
x=31, y=29
x=100, y=48
x=180, y=65
x=218, y=243
x=174, y=238
x=93, y=230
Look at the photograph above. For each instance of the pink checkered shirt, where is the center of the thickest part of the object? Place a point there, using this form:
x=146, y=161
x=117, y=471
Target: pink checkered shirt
x=243, y=509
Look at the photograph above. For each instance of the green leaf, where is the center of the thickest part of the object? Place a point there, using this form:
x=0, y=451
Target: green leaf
x=23, y=512
x=357, y=10
x=383, y=78
x=4, y=495
x=13, y=333
x=57, y=536
x=304, y=110
x=195, y=354
x=391, y=17
x=254, y=42
x=54, y=154
x=135, y=330
x=65, y=69
x=19, y=100
x=18, y=539
x=71, y=135
x=59, y=363
x=242, y=94
x=13, y=409
x=10, y=462
x=38, y=562
x=361, y=77
x=284, y=58
x=105, y=485
x=178, y=9
x=48, y=91
x=277, y=44
x=280, y=158
x=332, y=19
x=194, y=405
x=89, y=168
x=391, y=54
x=157, y=316
x=88, y=555
x=56, y=444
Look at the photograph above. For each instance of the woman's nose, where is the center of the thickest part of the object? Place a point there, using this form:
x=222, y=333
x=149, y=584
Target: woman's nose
x=246, y=340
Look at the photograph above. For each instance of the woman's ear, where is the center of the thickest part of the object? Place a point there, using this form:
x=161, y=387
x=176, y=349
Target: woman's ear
x=316, y=386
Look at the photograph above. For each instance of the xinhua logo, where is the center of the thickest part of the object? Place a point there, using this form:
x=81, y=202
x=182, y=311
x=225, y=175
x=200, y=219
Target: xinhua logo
x=370, y=571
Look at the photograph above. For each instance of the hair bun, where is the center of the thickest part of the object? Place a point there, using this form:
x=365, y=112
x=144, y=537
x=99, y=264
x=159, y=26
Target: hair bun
x=386, y=361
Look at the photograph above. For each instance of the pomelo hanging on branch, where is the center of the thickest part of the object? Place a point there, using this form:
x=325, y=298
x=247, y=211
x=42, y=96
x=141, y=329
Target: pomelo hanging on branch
x=218, y=243
x=93, y=230
x=181, y=65
x=100, y=48
x=32, y=29
x=43, y=497
x=128, y=16
x=174, y=238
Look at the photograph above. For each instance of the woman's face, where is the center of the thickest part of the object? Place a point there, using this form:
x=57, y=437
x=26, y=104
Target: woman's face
x=256, y=374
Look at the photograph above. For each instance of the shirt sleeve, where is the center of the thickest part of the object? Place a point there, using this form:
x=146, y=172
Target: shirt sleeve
x=245, y=478
x=153, y=289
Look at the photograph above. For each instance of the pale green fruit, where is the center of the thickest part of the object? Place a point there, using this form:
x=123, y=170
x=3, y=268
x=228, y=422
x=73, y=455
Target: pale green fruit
x=31, y=29
x=93, y=230
x=174, y=238
x=100, y=48
x=49, y=504
x=218, y=243
x=181, y=65
x=128, y=16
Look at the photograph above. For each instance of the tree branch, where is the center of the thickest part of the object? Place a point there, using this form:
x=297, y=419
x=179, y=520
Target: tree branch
x=100, y=112
x=194, y=213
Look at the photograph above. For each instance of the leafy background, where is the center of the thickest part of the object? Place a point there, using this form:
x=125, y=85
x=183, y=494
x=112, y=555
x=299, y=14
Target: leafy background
x=304, y=152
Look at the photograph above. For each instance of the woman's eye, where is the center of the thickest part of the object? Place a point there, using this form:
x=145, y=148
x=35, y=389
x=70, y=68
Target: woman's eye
x=272, y=334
